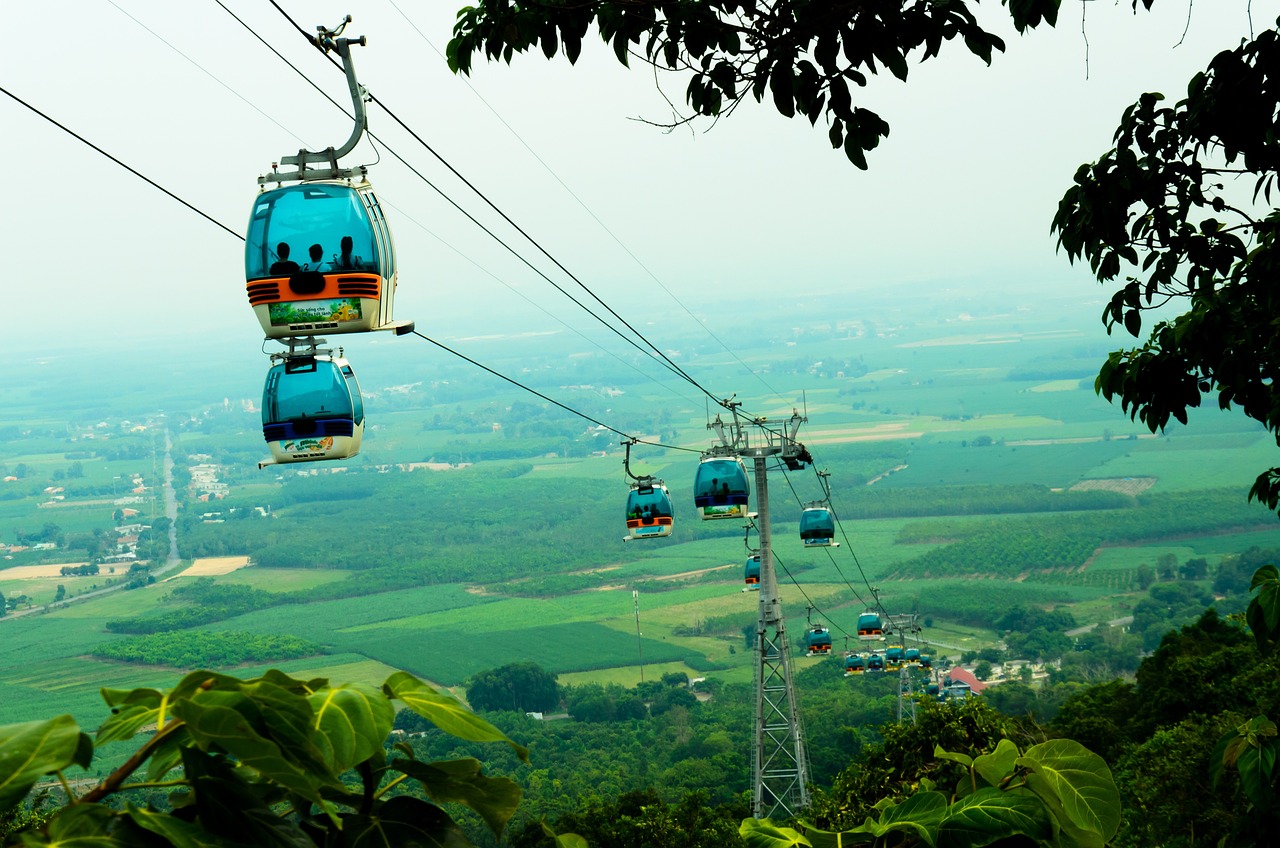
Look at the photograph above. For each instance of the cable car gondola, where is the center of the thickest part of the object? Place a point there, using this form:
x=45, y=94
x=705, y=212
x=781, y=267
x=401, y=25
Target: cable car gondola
x=893, y=658
x=318, y=254
x=319, y=259
x=817, y=527
x=751, y=574
x=875, y=662
x=720, y=489
x=912, y=657
x=648, y=509
x=311, y=406
x=854, y=664
x=869, y=626
x=817, y=641
x=926, y=661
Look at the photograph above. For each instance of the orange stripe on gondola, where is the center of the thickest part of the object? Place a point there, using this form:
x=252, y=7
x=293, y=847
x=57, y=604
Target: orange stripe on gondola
x=276, y=289
x=649, y=522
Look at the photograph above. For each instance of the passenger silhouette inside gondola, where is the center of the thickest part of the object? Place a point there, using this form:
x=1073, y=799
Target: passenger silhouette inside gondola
x=347, y=261
x=317, y=257
x=283, y=265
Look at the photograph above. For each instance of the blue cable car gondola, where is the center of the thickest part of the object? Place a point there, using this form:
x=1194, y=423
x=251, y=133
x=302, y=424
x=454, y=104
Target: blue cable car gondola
x=926, y=661
x=817, y=527
x=913, y=657
x=311, y=408
x=648, y=509
x=751, y=573
x=817, y=641
x=869, y=626
x=875, y=662
x=894, y=657
x=319, y=259
x=854, y=664
x=720, y=489
x=318, y=254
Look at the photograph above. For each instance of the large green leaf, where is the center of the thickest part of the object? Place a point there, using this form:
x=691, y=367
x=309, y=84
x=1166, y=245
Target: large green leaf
x=1263, y=613
x=565, y=840
x=762, y=833
x=131, y=710
x=921, y=815
x=996, y=766
x=989, y=815
x=33, y=749
x=1076, y=786
x=215, y=726
x=78, y=826
x=352, y=723
x=402, y=822
x=461, y=781
x=446, y=712
x=234, y=810
x=287, y=718
x=179, y=833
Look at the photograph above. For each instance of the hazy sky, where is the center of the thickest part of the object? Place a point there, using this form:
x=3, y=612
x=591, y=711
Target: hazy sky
x=960, y=196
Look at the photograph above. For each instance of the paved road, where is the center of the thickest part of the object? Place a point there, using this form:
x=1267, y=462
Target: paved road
x=171, y=561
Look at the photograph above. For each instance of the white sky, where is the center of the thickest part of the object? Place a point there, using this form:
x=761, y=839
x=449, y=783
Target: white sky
x=960, y=195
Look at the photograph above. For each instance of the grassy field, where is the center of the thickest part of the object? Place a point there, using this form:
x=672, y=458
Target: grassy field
x=924, y=394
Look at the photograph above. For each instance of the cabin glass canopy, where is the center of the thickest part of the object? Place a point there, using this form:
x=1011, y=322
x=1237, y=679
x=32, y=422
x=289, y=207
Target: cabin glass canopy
x=316, y=392
x=311, y=214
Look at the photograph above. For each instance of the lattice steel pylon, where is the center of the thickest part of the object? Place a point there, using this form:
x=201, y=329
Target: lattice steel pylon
x=780, y=766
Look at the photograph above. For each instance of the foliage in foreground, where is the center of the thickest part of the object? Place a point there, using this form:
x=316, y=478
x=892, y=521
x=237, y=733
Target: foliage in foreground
x=810, y=57
x=271, y=761
x=1055, y=793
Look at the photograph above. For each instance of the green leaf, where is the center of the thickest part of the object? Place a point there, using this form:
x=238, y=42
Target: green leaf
x=33, y=749
x=352, y=723
x=218, y=727
x=446, y=712
x=995, y=767
x=989, y=815
x=565, y=840
x=78, y=826
x=963, y=759
x=461, y=781
x=131, y=710
x=1076, y=786
x=232, y=809
x=179, y=833
x=401, y=821
x=762, y=833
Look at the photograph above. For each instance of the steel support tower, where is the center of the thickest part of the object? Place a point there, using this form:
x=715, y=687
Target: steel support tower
x=779, y=764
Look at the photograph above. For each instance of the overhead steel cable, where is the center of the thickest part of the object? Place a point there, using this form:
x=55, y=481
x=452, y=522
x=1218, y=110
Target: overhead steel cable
x=131, y=170
x=373, y=98
x=667, y=364
x=808, y=600
x=406, y=216
x=836, y=517
x=566, y=408
x=589, y=211
x=201, y=68
x=239, y=236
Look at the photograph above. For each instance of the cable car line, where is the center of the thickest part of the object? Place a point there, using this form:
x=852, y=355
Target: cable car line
x=807, y=599
x=241, y=237
x=848, y=545
x=518, y=384
x=205, y=71
x=588, y=209
x=374, y=98
x=670, y=366
x=295, y=136
x=406, y=216
x=131, y=170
